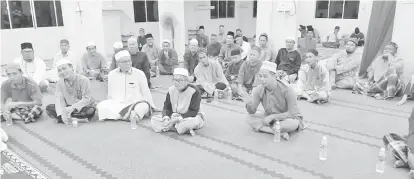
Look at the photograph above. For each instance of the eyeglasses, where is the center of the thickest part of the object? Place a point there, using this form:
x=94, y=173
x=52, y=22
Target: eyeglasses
x=178, y=80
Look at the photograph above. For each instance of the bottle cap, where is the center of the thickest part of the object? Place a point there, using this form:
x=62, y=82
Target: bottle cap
x=324, y=138
x=382, y=149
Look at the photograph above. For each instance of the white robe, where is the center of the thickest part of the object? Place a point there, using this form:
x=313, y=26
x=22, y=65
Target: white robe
x=35, y=69
x=125, y=89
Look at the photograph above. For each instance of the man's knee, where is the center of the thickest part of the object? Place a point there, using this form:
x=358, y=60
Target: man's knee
x=141, y=109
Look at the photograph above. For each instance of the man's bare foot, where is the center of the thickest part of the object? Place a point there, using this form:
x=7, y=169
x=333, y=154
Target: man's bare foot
x=285, y=136
x=411, y=174
x=192, y=133
x=402, y=101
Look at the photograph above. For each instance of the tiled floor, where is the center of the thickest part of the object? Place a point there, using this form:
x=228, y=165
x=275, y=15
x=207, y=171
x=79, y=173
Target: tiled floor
x=225, y=148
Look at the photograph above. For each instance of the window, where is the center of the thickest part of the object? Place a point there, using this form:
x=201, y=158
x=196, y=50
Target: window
x=337, y=9
x=19, y=14
x=255, y=8
x=145, y=11
x=222, y=9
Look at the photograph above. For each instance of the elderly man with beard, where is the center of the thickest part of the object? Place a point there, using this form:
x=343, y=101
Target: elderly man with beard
x=73, y=98
x=343, y=67
x=139, y=59
x=209, y=75
x=225, y=51
x=385, y=75
x=181, y=110
x=288, y=60
x=168, y=59
x=278, y=100
x=32, y=67
x=152, y=52
x=93, y=63
x=118, y=46
x=21, y=98
x=191, y=57
x=129, y=96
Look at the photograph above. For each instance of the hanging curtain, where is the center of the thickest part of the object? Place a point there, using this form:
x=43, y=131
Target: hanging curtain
x=379, y=33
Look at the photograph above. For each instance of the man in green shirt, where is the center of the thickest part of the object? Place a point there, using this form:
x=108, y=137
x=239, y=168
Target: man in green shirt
x=21, y=98
x=278, y=100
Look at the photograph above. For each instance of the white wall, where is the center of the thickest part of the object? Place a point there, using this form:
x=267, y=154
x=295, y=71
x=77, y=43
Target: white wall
x=243, y=18
x=45, y=42
x=112, y=29
x=403, y=35
x=306, y=16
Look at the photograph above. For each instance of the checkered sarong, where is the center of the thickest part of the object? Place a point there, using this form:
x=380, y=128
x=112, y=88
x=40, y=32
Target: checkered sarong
x=388, y=87
x=28, y=113
x=397, y=144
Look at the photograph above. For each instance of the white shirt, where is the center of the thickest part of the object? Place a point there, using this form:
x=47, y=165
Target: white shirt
x=333, y=38
x=127, y=88
x=35, y=69
x=246, y=50
x=70, y=56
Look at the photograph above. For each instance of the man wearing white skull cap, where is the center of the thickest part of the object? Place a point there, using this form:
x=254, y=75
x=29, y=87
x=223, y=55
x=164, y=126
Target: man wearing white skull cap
x=278, y=100
x=73, y=98
x=181, y=110
x=93, y=63
x=129, y=96
x=118, y=46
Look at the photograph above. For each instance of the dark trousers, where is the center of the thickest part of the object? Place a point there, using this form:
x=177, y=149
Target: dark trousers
x=85, y=112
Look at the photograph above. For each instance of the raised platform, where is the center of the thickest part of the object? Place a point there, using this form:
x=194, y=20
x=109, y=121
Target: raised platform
x=225, y=148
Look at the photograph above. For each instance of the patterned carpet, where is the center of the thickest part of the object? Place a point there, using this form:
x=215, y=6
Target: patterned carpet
x=225, y=148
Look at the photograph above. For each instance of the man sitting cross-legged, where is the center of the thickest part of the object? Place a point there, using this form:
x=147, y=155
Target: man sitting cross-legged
x=278, y=100
x=168, y=59
x=232, y=72
x=247, y=78
x=343, y=67
x=72, y=97
x=385, y=75
x=209, y=75
x=93, y=63
x=402, y=147
x=181, y=107
x=21, y=98
x=313, y=84
x=288, y=60
x=408, y=92
x=128, y=93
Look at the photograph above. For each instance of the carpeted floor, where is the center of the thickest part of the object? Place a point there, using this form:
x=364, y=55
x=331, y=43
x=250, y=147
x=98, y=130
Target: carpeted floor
x=225, y=148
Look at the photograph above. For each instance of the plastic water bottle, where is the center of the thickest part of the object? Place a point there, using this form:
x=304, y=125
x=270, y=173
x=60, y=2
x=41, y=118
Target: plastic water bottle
x=230, y=94
x=323, y=151
x=365, y=90
x=276, y=138
x=157, y=71
x=216, y=94
x=75, y=122
x=133, y=123
x=9, y=119
x=381, y=161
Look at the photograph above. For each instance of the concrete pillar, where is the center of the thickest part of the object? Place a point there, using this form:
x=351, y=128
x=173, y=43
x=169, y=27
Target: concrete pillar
x=402, y=31
x=176, y=8
x=83, y=24
x=278, y=25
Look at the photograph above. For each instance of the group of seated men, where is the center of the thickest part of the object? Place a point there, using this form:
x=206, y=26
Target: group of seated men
x=208, y=72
